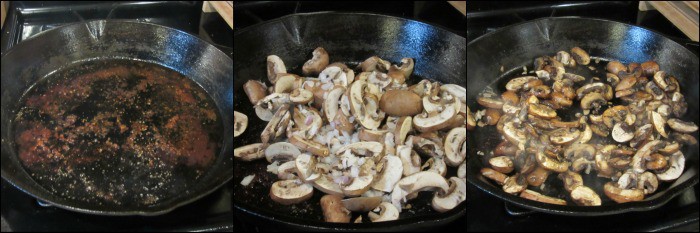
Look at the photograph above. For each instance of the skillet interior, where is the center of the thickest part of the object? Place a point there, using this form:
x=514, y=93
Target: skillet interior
x=518, y=45
x=348, y=38
x=36, y=57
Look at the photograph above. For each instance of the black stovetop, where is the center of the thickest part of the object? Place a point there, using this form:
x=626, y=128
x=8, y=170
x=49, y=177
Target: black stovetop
x=26, y=19
x=488, y=213
x=437, y=13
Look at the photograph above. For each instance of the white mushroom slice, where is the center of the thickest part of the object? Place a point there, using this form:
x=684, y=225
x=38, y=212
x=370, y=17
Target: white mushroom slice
x=335, y=75
x=368, y=114
x=455, y=90
x=330, y=106
x=358, y=186
x=622, y=133
x=423, y=180
x=457, y=193
x=286, y=171
x=385, y=212
x=677, y=164
x=410, y=161
x=287, y=192
x=639, y=158
x=250, y=152
x=240, y=123
x=535, y=196
x=682, y=126
x=275, y=65
x=286, y=83
x=325, y=184
x=403, y=127
x=659, y=123
x=362, y=204
x=648, y=182
x=585, y=196
x=310, y=146
x=365, y=149
x=389, y=174
x=306, y=167
x=429, y=122
x=317, y=63
x=427, y=147
x=453, y=142
x=301, y=96
x=462, y=171
x=502, y=164
x=268, y=106
x=281, y=151
x=436, y=165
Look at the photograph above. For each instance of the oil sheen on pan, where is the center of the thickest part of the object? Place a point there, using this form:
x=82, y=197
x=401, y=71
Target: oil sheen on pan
x=117, y=132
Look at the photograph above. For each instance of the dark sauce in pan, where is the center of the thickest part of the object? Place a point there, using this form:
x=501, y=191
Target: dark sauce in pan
x=117, y=132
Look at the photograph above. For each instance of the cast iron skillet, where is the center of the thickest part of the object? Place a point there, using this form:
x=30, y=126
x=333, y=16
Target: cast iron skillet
x=34, y=58
x=516, y=46
x=348, y=38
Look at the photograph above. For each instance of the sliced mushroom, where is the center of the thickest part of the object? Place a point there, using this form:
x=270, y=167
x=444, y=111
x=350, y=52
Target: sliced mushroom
x=281, y=151
x=647, y=181
x=275, y=66
x=410, y=160
x=406, y=67
x=365, y=109
x=622, y=133
x=277, y=125
x=551, y=164
x=286, y=83
x=364, y=149
x=563, y=136
x=268, y=106
x=240, y=122
x=301, y=96
x=675, y=169
x=403, y=127
x=334, y=210
x=389, y=174
x=306, y=167
x=682, y=126
x=494, y=175
x=358, y=186
x=286, y=170
x=542, y=111
x=442, y=202
x=462, y=171
x=593, y=100
x=317, y=63
x=362, y=204
x=571, y=180
x=310, y=146
x=660, y=80
x=620, y=195
x=515, y=184
x=639, y=159
x=649, y=68
x=517, y=83
x=427, y=147
x=325, y=184
x=436, y=165
x=588, y=88
x=255, y=90
x=580, y=56
x=659, y=123
x=535, y=196
x=537, y=177
x=585, y=196
x=615, y=67
x=374, y=63
x=250, y=152
x=657, y=161
x=385, y=212
x=287, y=192
x=454, y=140
x=502, y=164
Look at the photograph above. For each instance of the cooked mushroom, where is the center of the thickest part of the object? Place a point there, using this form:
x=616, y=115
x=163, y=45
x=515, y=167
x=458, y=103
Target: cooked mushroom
x=563, y=136
x=317, y=63
x=517, y=83
x=585, y=196
x=542, y=111
x=551, y=164
x=515, y=184
x=639, y=159
x=580, y=56
x=457, y=193
x=385, y=212
x=647, y=181
x=620, y=195
x=537, y=177
x=593, y=100
x=502, y=164
x=615, y=67
x=275, y=66
x=494, y=175
x=675, y=169
x=659, y=123
x=362, y=204
x=649, y=68
x=334, y=210
x=287, y=192
x=622, y=133
x=535, y=196
x=682, y=126
x=250, y=152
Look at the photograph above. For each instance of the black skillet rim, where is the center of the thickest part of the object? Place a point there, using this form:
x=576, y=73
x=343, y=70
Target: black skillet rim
x=400, y=224
x=645, y=205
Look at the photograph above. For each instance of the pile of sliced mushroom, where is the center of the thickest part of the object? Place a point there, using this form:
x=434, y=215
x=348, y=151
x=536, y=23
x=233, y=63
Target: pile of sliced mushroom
x=360, y=139
x=636, y=144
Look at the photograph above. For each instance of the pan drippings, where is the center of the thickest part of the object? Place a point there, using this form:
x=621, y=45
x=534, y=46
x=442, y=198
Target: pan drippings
x=117, y=133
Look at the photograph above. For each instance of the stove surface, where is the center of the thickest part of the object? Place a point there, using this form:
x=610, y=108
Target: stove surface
x=488, y=213
x=22, y=212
